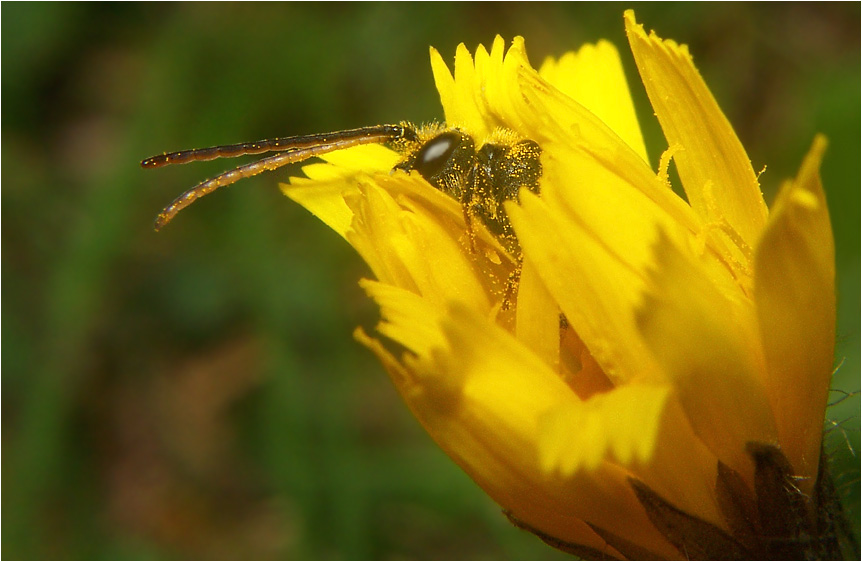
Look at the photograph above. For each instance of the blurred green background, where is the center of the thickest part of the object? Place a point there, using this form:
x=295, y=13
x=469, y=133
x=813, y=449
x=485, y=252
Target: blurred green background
x=197, y=393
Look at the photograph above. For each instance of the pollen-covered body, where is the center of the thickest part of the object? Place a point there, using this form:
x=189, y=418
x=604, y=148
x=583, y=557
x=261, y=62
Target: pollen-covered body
x=481, y=177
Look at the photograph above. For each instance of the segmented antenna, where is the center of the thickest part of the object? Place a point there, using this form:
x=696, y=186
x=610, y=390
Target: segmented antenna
x=293, y=149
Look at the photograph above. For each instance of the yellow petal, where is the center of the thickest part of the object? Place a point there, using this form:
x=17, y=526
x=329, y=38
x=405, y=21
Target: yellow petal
x=409, y=318
x=445, y=84
x=409, y=244
x=623, y=422
x=500, y=85
x=460, y=96
x=480, y=96
x=642, y=428
x=594, y=78
x=486, y=410
x=410, y=234
x=795, y=293
x=712, y=160
x=681, y=468
x=590, y=236
x=473, y=111
x=537, y=317
x=598, y=289
x=325, y=200
x=707, y=346
x=595, y=291
x=323, y=192
x=567, y=131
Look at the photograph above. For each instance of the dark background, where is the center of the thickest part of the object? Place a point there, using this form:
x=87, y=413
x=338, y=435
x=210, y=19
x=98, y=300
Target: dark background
x=196, y=393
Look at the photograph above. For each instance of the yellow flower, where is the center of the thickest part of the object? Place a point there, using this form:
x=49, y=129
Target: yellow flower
x=658, y=385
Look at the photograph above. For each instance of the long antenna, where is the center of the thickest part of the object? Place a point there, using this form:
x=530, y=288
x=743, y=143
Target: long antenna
x=294, y=149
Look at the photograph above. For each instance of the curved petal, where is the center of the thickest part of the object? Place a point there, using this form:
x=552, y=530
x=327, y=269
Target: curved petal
x=411, y=245
x=410, y=234
x=502, y=95
x=486, y=410
x=537, y=323
x=562, y=527
x=564, y=127
x=594, y=78
x=460, y=95
x=323, y=192
x=708, y=346
x=794, y=288
x=712, y=160
x=623, y=422
x=596, y=290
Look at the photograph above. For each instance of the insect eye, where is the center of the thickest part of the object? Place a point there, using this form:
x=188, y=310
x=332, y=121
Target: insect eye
x=433, y=156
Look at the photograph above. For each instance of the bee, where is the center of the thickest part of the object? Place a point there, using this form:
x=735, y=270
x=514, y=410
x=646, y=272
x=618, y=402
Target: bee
x=480, y=177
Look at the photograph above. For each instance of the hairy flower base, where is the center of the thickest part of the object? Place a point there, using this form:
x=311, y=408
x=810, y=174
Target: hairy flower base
x=776, y=522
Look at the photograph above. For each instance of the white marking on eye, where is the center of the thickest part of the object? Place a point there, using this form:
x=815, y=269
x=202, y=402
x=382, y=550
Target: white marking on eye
x=436, y=149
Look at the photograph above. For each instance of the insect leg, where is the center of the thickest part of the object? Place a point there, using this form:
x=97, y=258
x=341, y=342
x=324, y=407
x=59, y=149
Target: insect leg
x=512, y=283
x=468, y=222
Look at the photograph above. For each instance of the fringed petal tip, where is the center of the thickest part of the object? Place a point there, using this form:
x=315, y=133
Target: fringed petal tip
x=713, y=159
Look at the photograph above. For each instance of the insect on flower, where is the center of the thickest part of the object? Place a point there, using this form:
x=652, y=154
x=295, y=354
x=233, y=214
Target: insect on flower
x=481, y=179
